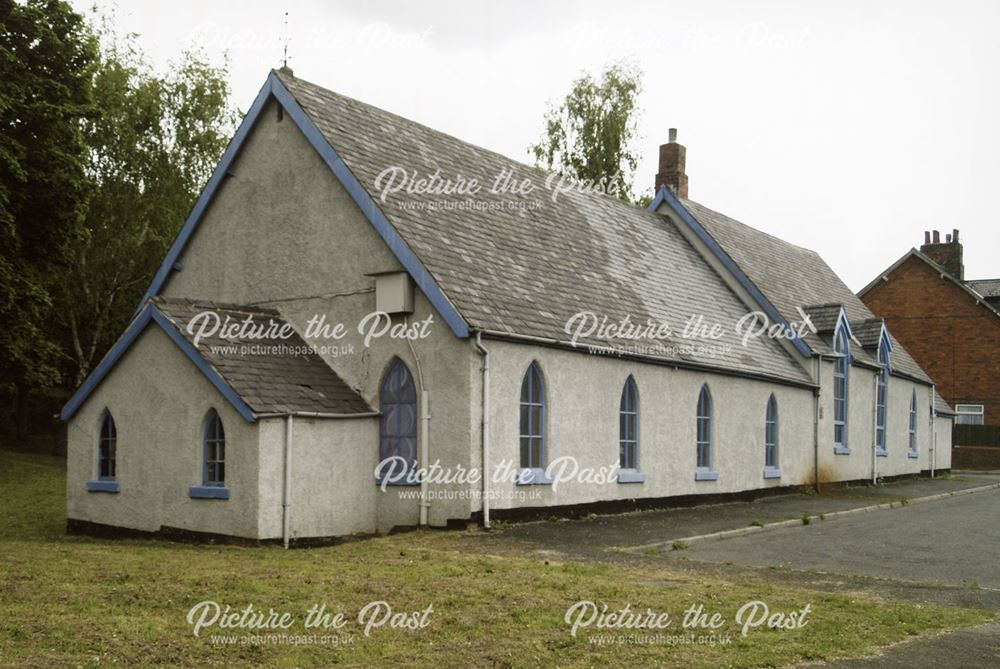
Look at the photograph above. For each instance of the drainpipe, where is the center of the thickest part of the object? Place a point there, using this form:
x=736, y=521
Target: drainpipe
x=933, y=433
x=816, y=423
x=286, y=493
x=425, y=418
x=486, y=429
x=875, y=431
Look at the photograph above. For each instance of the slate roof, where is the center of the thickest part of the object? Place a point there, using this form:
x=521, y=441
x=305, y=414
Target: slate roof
x=941, y=407
x=985, y=287
x=790, y=276
x=523, y=264
x=868, y=332
x=285, y=375
x=823, y=316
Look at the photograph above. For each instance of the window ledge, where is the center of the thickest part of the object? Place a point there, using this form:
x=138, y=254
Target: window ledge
x=102, y=486
x=913, y=455
x=403, y=481
x=705, y=475
x=208, y=492
x=841, y=450
x=533, y=476
x=631, y=476
x=881, y=452
x=772, y=473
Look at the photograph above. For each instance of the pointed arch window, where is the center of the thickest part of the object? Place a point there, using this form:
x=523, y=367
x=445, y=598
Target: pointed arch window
x=628, y=426
x=705, y=457
x=841, y=388
x=213, y=460
x=771, y=469
x=912, y=450
x=107, y=456
x=882, y=399
x=107, y=449
x=533, y=419
x=398, y=426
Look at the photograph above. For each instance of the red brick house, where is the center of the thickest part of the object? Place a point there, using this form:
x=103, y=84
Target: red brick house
x=950, y=325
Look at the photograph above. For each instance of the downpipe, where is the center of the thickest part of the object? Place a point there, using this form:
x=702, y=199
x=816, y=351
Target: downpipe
x=286, y=493
x=875, y=431
x=485, y=428
x=816, y=399
x=425, y=418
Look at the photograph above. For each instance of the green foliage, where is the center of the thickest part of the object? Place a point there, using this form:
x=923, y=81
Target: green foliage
x=46, y=56
x=587, y=136
x=153, y=141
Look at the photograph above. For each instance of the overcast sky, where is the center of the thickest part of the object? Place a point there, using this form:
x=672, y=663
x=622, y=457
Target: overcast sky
x=846, y=127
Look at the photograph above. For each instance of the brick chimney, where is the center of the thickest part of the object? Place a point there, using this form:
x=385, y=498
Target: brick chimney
x=673, y=156
x=948, y=253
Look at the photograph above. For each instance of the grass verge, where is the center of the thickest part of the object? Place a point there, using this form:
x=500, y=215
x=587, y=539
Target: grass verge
x=77, y=601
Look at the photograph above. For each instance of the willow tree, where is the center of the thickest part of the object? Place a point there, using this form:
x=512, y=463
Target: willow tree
x=588, y=134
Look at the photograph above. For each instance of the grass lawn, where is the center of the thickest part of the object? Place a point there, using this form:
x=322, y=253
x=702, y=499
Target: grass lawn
x=72, y=601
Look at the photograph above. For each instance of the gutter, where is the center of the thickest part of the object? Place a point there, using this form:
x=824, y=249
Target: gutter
x=676, y=364
x=318, y=414
x=485, y=428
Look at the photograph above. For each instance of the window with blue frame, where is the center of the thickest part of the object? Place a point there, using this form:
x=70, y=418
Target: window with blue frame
x=214, y=441
x=705, y=428
x=913, y=423
x=533, y=419
x=881, y=398
x=398, y=427
x=841, y=370
x=771, y=434
x=628, y=426
x=107, y=449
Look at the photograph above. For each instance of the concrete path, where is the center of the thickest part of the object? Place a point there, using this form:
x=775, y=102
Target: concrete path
x=595, y=536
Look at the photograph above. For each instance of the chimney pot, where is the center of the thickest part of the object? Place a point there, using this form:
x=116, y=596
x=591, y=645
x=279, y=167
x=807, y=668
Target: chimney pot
x=927, y=237
x=673, y=135
x=948, y=254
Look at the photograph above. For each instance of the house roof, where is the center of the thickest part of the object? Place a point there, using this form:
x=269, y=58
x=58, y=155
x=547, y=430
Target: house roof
x=985, y=287
x=792, y=277
x=516, y=265
x=969, y=287
x=277, y=373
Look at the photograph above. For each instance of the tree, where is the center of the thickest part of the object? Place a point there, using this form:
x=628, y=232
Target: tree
x=46, y=59
x=154, y=142
x=587, y=135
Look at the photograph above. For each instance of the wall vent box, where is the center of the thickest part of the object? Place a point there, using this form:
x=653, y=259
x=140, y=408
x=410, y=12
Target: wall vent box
x=393, y=292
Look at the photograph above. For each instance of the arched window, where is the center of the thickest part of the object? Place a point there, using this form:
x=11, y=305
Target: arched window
x=881, y=398
x=107, y=449
x=913, y=424
x=705, y=429
x=533, y=419
x=771, y=434
x=214, y=441
x=841, y=378
x=398, y=428
x=628, y=426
